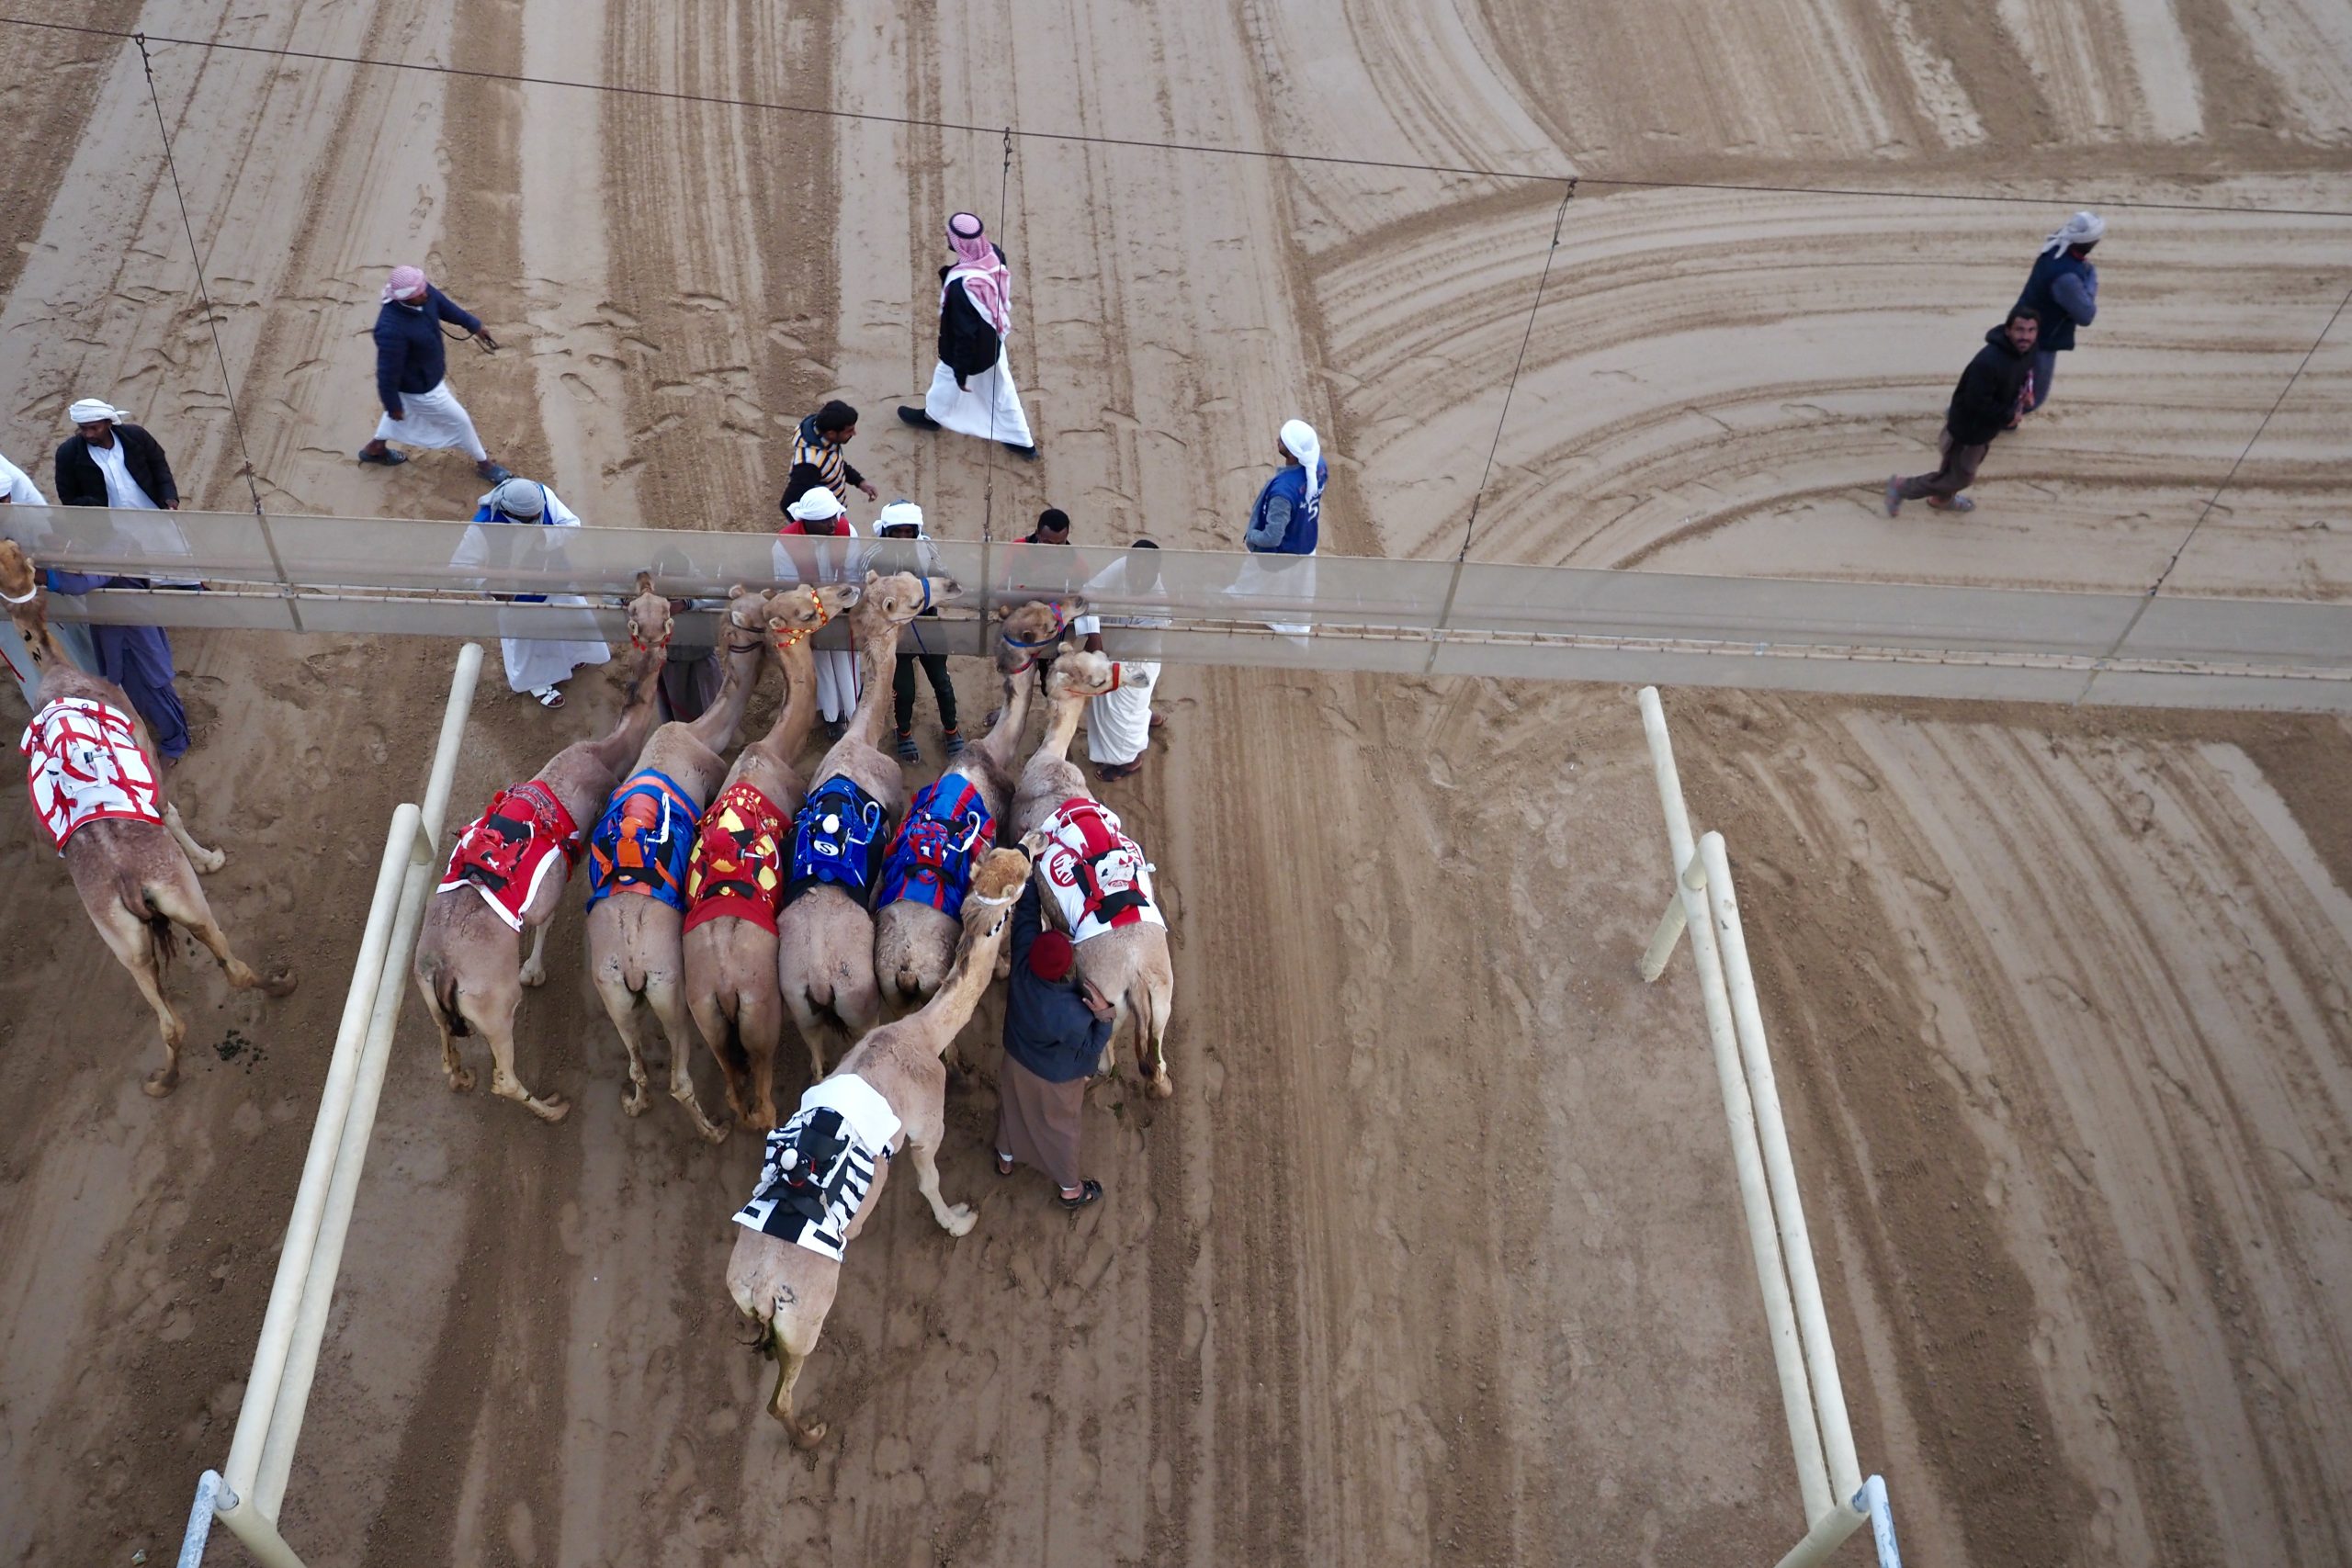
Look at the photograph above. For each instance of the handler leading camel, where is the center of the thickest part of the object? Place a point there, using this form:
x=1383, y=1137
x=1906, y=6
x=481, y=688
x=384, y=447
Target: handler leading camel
x=507, y=875
x=98, y=796
x=824, y=1168
x=638, y=864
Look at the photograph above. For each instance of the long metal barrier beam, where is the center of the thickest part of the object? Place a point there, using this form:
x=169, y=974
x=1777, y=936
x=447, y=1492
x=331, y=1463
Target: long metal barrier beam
x=1337, y=613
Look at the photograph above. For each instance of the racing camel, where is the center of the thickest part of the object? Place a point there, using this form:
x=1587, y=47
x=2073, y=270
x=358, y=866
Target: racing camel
x=824, y=1170
x=506, y=876
x=99, y=796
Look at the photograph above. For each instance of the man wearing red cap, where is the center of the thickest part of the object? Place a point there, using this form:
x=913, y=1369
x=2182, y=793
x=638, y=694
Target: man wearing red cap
x=1056, y=1025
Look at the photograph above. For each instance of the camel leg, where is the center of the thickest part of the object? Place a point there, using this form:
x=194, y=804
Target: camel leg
x=535, y=967
x=711, y=1023
x=957, y=1219
x=497, y=1030
x=187, y=905
x=1152, y=1037
x=204, y=860
x=128, y=938
x=460, y=1079
x=787, y=1372
x=620, y=1006
x=661, y=994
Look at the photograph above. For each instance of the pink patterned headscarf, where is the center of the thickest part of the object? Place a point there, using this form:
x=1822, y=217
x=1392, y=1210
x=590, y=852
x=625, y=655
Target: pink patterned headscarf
x=405, y=284
x=987, y=283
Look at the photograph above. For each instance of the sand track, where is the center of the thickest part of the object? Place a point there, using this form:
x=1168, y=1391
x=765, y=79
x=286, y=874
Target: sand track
x=1434, y=1253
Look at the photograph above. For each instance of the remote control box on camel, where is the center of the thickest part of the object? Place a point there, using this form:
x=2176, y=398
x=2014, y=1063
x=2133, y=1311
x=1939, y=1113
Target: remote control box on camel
x=824, y=1170
x=507, y=875
x=825, y=932
x=950, y=825
x=97, y=792
x=735, y=875
x=1094, y=881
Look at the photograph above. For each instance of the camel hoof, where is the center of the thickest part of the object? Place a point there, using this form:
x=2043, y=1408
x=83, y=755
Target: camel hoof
x=1163, y=1088
x=809, y=1436
x=554, y=1108
x=461, y=1080
x=960, y=1220
x=277, y=983
x=633, y=1101
x=535, y=976
x=160, y=1082
x=208, y=865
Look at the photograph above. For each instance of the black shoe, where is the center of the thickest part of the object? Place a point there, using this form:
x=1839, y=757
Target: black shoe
x=1088, y=1192
x=388, y=458
x=1027, y=454
x=491, y=474
x=836, y=728
x=919, y=417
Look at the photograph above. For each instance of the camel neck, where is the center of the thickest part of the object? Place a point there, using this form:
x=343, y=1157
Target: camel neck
x=879, y=646
x=799, y=715
x=718, y=728
x=627, y=739
x=1062, y=728
x=959, y=994
x=1000, y=743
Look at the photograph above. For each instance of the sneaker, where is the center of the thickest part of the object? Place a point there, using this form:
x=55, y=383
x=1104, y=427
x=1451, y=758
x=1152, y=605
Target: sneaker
x=836, y=728
x=908, y=751
x=919, y=417
x=1957, y=504
x=954, y=742
x=1027, y=454
x=1893, y=495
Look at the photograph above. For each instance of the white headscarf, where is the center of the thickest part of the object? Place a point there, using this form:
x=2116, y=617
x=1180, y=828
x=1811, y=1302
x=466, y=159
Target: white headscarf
x=89, y=410
x=899, y=514
x=19, y=486
x=525, y=501
x=819, y=504
x=2082, y=228
x=1300, y=441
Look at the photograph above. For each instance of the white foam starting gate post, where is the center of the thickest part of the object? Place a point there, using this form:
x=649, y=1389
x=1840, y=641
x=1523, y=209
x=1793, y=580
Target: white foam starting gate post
x=247, y=1492
x=1837, y=1498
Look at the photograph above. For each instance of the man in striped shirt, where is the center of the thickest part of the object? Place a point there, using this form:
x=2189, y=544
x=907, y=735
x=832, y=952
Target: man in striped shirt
x=820, y=443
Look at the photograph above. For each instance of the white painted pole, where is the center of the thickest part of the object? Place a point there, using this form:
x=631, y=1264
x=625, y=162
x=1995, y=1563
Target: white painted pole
x=1763, y=1240
x=1661, y=947
x=258, y=1535
x=1829, y=1531
x=462, y=682
x=1788, y=1206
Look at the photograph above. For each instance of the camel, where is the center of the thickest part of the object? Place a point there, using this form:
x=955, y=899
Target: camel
x=636, y=940
x=137, y=877
x=825, y=935
x=1129, y=964
x=783, y=1286
x=914, y=941
x=730, y=959
x=468, y=961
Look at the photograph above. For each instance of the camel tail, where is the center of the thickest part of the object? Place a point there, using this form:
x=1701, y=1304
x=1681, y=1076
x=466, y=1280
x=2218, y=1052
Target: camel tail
x=445, y=1000
x=134, y=893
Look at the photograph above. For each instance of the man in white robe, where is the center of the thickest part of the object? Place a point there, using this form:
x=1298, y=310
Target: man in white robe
x=518, y=523
x=971, y=387
x=818, y=544
x=1119, y=723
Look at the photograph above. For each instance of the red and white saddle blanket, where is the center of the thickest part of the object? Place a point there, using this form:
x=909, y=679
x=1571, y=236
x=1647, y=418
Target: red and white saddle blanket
x=512, y=847
x=1097, y=874
x=83, y=765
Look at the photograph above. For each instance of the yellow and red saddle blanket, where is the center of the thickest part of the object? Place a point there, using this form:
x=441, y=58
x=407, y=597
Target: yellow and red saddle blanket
x=508, y=851
x=83, y=764
x=1098, y=875
x=643, y=842
x=737, y=867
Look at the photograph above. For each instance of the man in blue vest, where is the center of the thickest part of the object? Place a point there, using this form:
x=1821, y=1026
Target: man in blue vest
x=2063, y=289
x=1287, y=520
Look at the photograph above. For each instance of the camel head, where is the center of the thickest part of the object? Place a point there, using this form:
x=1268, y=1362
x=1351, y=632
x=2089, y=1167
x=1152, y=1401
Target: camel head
x=996, y=887
x=1078, y=673
x=745, y=619
x=795, y=614
x=649, y=617
x=895, y=600
x=21, y=586
x=1026, y=630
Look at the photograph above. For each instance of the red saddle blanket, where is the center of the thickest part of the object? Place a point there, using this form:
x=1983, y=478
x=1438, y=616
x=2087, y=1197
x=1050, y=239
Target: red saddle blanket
x=1097, y=874
x=83, y=764
x=737, y=867
x=511, y=849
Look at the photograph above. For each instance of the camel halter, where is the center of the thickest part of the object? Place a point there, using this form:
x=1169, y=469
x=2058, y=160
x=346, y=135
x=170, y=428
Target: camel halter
x=642, y=645
x=786, y=640
x=26, y=597
x=1051, y=637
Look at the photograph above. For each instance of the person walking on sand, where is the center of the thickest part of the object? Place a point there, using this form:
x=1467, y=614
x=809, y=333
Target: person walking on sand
x=1056, y=1025
x=413, y=375
x=820, y=442
x=1981, y=406
x=1286, y=521
x=902, y=520
x=530, y=541
x=1119, y=723
x=818, y=544
x=971, y=388
x=2062, y=290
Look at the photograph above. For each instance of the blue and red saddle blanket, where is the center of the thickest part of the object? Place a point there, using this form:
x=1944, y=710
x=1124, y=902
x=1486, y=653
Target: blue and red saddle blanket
x=837, y=840
x=948, y=828
x=642, y=842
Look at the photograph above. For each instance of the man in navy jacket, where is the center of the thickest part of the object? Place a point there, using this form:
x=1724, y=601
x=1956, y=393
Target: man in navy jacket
x=413, y=371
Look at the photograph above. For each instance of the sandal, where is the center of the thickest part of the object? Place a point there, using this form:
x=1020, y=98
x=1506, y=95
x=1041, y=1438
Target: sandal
x=908, y=751
x=1003, y=1162
x=388, y=457
x=1088, y=1192
x=954, y=740
x=548, y=697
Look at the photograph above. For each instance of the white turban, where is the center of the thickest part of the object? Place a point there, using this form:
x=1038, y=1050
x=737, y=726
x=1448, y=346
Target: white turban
x=2082, y=228
x=525, y=501
x=899, y=514
x=89, y=410
x=817, y=505
x=1299, y=440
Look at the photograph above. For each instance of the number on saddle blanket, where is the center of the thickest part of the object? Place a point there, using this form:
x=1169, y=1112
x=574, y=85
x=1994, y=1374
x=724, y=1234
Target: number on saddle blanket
x=948, y=828
x=506, y=853
x=837, y=840
x=83, y=764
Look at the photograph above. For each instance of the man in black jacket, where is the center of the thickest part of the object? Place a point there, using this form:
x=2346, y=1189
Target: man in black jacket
x=413, y=375
x=1982, y=407
x=107, y=463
